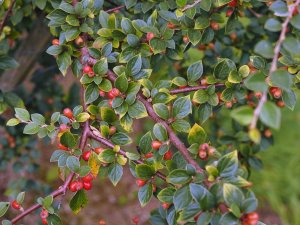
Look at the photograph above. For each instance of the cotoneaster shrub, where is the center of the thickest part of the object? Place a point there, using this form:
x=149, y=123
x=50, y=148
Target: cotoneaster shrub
x=211, y=75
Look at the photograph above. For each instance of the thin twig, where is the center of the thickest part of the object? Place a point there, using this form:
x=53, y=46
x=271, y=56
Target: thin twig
x=6, y=15
x=195, y=88
x=273, y=67
x=172, y=136
x=115, y=9
x=191, y=5
x=122, y=152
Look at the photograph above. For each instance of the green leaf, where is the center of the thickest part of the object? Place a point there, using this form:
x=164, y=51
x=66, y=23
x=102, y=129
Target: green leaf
x=78, y=201
x=182, y=198
x=296, y=21
x=201, y=96
x=7, y=62
x=144, y=171
x=12, y=122
x=72, y=20
x=91, y=93
x=196, y=135
x=115, y=173
x=161, y=110
x=101, y=67
x=54, y=50
x=6, y=222
x=195, y=71
x=22, y=114
x=38, y=118
x=63, y=61
x=282, y=79
x=258, y=62
x=121, y=83
x=273, y=25
x=73, y=164
x=3, y=208
x=256, y=82
x=20, y=197
x=137, y=110
x=53, y=219
x=270, y=115
x=223, y=69
x=265, y=49
x=134, y=65
x=166, y=195
x=145, y=193
x=232, y=194
x=178, y=176
x=145, y=143
x=158, y=45
x=107, y=156
x=228, y=164
x=31, y=128
x=107, y=114
x=182, y=107
x=68, y=140
x=243, y=115
x=82, y=117
x=160, y=132
x=121, y=139
x=72, y=34
x=201, y=23
x=181, y=126
x=56, y=154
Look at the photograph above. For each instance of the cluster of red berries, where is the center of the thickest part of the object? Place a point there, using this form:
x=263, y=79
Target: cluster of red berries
x=141, y=183
x=84, y=183
x=205, y=151
x=231, y=4
x=156, y=145
x=277, y=94
x=250, y=218
x=112, y=94
x=88, y=70
x=44, y=214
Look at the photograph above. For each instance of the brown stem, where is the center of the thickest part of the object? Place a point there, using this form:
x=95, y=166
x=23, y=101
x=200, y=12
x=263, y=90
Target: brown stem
x=172, y=136
x=195, y=88
x=6, y=15
x=115, y=9
x=191, y=5
x=122, y=152
x=273, y=67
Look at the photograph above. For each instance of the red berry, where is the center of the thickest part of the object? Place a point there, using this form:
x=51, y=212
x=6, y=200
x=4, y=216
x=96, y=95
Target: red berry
x=63, y=127
x=153, y=188
x=171, y=25
x=202, y=154
x=44, y=214
x=214, y=25
x=115, y=92
x=149, y=36
x=229, y=12
x=252, y=222
x=182, y=87
x=79, y=185
x=165, y=205
x=44, y=221
x=168, y=155
x=62, y=147
x=268, y=133
x=86, y=155
x=98, y=150
x=15, y=205
x=277, y=94
x=186, y=39
x=88, y=178
x=110, y=102
x=135, y=220
x=140, y=182
x=204, y=146
x=55, y=42
x=87, y=185
x=110, y=95
x=73, y=186
x=149, y=155
x=156, y=145
x=87, y=69
x=296, y=11
x=233, y=3
x=253, y=216
x=280, y=104
x=258, y=94
x=68, y=113
x=112, y=130
x=102, y=93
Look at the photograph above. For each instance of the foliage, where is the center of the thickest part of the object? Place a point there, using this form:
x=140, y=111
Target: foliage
x=181, y=64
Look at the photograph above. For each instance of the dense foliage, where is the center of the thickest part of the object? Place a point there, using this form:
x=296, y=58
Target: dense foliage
x=211, y=75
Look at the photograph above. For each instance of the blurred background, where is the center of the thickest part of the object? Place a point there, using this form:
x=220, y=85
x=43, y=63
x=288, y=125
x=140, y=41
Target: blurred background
x=25, y=166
